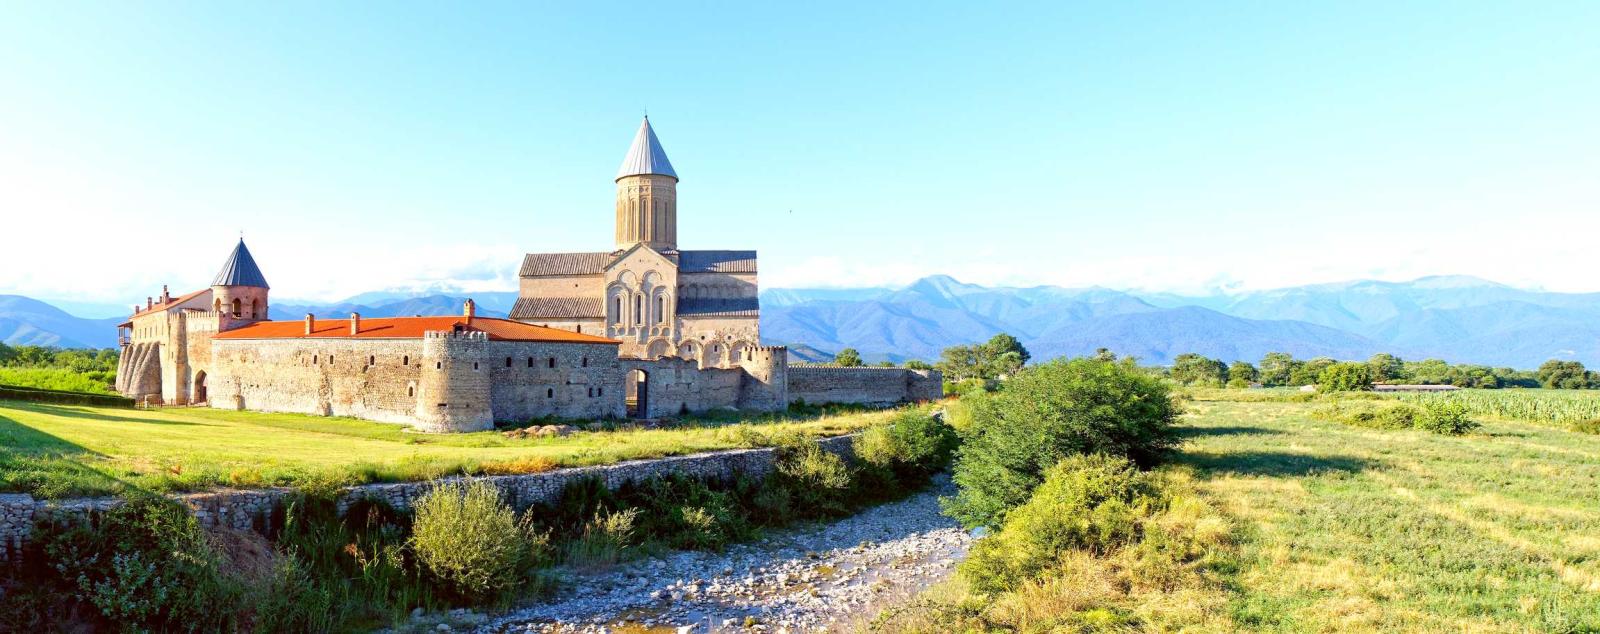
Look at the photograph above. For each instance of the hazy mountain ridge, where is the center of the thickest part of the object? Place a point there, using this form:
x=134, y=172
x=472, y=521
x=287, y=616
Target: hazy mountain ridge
x=1457, y=318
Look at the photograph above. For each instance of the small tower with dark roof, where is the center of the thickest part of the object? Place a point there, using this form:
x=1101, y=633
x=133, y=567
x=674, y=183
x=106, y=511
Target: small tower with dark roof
x=647, y=195
x=239, y=292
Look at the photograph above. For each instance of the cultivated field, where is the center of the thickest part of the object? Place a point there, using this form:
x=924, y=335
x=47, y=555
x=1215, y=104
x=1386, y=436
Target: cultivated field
x=65, y=450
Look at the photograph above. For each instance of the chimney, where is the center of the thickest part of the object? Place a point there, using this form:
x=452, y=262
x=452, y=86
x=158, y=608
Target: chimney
x=311, y=323
x=165, y=296
x=469, y=310
x=355, y=323
x=149, y=302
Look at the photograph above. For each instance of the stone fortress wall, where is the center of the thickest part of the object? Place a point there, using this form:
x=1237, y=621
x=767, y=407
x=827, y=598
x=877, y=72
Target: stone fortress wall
x=817, y=385
x=252, y=509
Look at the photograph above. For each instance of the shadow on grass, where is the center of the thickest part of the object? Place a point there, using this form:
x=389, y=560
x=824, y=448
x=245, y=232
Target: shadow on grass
x=74, y=411
x=44, y=465
x=1239, y=430
x=1273, y=463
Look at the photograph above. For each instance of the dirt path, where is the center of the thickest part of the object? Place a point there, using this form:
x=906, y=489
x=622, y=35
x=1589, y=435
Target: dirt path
x=824, y=577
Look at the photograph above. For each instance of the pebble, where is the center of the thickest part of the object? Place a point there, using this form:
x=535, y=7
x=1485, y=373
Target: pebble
x=810, y=578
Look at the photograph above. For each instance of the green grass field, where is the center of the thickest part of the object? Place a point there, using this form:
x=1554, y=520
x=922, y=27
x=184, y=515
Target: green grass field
x=1348, y=529
x=66, y=450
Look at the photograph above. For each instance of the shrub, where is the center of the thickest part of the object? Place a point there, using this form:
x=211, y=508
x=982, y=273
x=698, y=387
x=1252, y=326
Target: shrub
x=1050, y=412
x=605, y=541
x=470, y=541
x=818, y=482
x=144, y=564
x=1372, y=415
x=1345, y=377
x=1093, y=503
x=906, y=450
x=1442, y=416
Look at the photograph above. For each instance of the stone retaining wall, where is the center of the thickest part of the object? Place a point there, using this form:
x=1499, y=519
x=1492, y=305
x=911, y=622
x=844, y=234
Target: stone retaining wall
x=250, y=509
x=817, y=385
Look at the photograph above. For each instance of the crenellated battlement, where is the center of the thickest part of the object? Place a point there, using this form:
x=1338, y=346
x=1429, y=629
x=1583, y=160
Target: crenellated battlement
x=461, y=335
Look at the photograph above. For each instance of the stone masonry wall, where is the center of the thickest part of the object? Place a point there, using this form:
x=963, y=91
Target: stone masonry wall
x=364, y=378
x=585, y=381
x=679, y=385
x=251, y=509
x=876, y=386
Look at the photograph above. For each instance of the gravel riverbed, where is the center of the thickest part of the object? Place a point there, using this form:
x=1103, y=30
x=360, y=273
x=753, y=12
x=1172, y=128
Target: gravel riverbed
x=820, y=577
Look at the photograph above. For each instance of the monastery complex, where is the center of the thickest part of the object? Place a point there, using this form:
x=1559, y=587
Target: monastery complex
x=643, y=330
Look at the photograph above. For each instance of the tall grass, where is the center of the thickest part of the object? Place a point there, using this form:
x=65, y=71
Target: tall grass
x=1561, y=407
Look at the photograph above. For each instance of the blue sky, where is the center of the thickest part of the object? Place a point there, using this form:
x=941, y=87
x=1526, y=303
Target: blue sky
x=1154, y=146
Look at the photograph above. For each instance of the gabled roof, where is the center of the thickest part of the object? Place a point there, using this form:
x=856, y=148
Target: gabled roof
x=240, y=270
x=541, y=264
x=646, y=156
x=176, y=302
x=557, y=307
x=717, y=261
x=409, y=328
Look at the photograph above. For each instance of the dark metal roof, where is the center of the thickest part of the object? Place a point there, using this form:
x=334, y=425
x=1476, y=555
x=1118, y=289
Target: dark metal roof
x=541, y=264
x=240, y=270
x=557, y=307
x=719, y=307
x=717, y=261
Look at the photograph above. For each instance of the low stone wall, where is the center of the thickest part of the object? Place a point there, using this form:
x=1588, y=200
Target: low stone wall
x=250, y=509
x=873, y=386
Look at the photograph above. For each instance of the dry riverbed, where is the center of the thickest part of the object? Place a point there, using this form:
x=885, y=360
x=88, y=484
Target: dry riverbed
x=821, y=577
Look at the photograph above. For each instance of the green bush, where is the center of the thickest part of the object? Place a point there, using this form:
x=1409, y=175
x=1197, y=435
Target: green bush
x=1092, y=502
x=1371, y=414
x=818, y=483
x=1345, y=377
x=607, y=539
x=470, y=541
x=1050, y=412
x=1442, y=416
x=904, y=451
x=144, y=564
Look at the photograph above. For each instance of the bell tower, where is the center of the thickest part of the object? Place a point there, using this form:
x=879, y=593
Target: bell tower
x=239, y=293
x=647, y=195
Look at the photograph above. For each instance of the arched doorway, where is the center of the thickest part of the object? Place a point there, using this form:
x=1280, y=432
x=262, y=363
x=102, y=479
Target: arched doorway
x=200, y=388
x=638, y=394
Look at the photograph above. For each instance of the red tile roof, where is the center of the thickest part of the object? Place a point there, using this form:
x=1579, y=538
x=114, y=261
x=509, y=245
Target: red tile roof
x=409, y=328
x=168, y=305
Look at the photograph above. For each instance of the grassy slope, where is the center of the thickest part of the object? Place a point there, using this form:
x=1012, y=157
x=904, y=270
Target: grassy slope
x=1351, y=529
x=61, y=450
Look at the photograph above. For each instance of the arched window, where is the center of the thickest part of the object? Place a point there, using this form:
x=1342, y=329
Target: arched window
x=474, y=365
x=314, y=360
x=530, y=362
x=405, y=360
x=411, y=390
x=438, y=365
x=236, y=307
x=549, y=392
x=508, y=362
x=253, y=308
x=372, y=360
x=585, y=362
x=638, y=309
x=661, y=308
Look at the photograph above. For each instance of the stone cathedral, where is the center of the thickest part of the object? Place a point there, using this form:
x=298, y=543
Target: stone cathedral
x=658, y=300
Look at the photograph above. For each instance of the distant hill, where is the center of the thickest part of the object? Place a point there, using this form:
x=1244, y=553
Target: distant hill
x=30, y=322
x=1457, y=318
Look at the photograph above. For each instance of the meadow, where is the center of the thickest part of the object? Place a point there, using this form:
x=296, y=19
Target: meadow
x=60, y=451
x=1337, y=528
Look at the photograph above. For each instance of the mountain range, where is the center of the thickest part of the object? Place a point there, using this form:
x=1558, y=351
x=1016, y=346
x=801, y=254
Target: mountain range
x=1456, y=318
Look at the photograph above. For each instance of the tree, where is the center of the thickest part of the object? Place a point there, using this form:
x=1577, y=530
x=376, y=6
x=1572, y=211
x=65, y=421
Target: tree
x=1193, y=369
x=960, y=363
x=1104, y=354
x=1345, y=377
x=7, y=353
x=1277, y=368
x=1241, y=374
x=1049, y=412
x=1307, y=373
x=916, y=364
x=848, y=358
x=1565, y=375
x=1386, y=367
x=1002, y=343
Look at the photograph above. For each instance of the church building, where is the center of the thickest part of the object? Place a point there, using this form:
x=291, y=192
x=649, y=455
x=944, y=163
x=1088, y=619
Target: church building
x=658, y=300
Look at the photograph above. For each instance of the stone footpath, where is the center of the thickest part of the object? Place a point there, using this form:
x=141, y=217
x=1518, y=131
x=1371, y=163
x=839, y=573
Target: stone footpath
x=822, y=577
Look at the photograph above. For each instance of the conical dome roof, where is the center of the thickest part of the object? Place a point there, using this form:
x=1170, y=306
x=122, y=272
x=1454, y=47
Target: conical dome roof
x=240, y=270
x=646, y=156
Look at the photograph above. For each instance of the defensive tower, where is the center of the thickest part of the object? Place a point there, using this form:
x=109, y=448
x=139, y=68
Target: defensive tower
x=239, y=293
